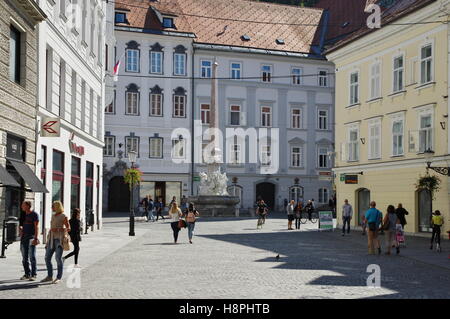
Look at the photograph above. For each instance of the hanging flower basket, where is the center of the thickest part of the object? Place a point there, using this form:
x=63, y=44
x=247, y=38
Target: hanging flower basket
x=430, y=183
x=132, y=177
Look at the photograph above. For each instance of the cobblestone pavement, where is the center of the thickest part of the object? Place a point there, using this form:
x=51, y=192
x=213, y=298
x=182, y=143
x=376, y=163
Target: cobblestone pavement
x=231, y=259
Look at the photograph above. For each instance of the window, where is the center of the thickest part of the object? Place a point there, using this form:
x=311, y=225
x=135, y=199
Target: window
x=398, y=74
x=323, y=196
x=108, y=149
x=296, y=74
x=131, y=144
x=265, y=155
x=205, y=113
x=296, y=119
x=235, y=153
x=353, y=145
x=168, y=23
x=178, y=147
x=235, y=115
x=120, y=17
x=62, y=88
x=397, y=138
x=323, y=78
x=296, y=193
x=236, y=70
x=266, y=116
x=179, y=64
x=206, y=68
x=323, y=119
x=132, y=103
x=75, y=183
x=266, y=73
x=89, y=202
x=132, y=60
x=111, y=107
x=375, y=80
x=375, y=141
x=354, y=88
x=179, y=104
x=156, y=147
x=322, y=157
x=425, y=133
x=426, y=64
x=14, y=54
x=58, y=176
x=155, y=104
x=156, y=59
x=296, y=156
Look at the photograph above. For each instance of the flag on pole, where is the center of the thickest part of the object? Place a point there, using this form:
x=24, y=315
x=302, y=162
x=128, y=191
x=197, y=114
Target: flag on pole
x=116, y=68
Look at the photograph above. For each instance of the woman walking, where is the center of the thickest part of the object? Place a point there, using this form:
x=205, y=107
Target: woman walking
x=175, y=214
x=191, y=215
x=75, y=235
x=298, y=214
x=390, y=226
x=59, y=225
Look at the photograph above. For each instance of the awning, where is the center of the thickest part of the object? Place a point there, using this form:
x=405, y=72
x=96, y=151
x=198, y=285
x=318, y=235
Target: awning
x=28, y=176
x=6, y=179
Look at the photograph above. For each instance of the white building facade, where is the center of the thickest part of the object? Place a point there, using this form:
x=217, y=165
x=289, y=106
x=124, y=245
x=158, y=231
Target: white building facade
x=71, y=89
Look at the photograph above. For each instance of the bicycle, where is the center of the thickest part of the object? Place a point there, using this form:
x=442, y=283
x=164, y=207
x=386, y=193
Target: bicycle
x=437, y=240
x=313, y=217
x=261, y=220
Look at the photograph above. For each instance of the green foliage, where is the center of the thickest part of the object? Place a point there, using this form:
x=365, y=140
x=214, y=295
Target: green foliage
x=132, y=177
x=430, y=183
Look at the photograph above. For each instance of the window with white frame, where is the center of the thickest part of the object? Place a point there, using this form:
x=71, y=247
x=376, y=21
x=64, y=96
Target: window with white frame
x=266, y=116
x=354, y=88
x=111, y=107
x=155, y=104
x=425, y=133
x=322, y=119
x=131, y=144
x=375, y=140
x=296, y=118
x=397, y=137
x=296, y=74
x=156, y=59
x=179, y=64
x=266, y=155
x=426, y=64
x=132, y=60
x=132, y=101
x=375, y=80
x=398, y=75
x=156, y=147
x=205, y=113
x=296, y=156
x=108, y=149
x=323, y=78
x=296, y=193
x=322, y=157
x=179, y=103
x=266, y=73
x=236, y=70
x=178, y=147
x=353, y=145
x=235, y=153
x=235, y=114
x=206, y=68
x=323, y=195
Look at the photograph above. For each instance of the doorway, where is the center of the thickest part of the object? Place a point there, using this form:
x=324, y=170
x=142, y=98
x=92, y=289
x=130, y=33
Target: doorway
x=266, y=191
x=160, y=191
x=363, y=196
x=118, y=195
x=425, y=207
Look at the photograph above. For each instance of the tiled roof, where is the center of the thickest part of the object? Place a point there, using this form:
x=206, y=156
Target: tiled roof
x=223, y=22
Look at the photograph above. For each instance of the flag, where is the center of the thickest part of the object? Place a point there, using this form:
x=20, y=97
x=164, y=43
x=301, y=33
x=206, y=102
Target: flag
x=116, y=70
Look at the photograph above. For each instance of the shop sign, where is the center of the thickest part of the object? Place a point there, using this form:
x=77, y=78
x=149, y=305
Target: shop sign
x=50, y=127
x=326, y=220
x=74, y=148
x=351, y=179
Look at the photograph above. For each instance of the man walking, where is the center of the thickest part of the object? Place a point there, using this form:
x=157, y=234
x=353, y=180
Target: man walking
x=159, y=208
x=347, y=214
x=29, y=231
x=401, y=213
x=150, y=208
x=290, y=213
x=373, y=217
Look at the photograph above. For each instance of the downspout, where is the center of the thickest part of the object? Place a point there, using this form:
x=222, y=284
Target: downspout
x=192, y=121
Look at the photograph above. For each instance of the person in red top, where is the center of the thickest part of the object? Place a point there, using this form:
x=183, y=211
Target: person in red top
x=28, y=240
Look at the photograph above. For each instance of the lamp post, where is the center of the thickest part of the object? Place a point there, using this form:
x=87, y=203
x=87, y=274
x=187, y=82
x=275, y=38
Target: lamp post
x=132, y=155
x=429, y=154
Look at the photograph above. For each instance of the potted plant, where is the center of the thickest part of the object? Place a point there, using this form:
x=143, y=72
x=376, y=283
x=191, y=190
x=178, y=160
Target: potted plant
x=132, y=177
x=430, y=183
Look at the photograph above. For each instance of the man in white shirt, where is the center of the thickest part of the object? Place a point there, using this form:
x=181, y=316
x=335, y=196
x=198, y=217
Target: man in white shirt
x=347, y=214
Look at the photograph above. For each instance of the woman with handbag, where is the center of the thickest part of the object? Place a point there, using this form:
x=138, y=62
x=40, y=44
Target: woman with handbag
x=390, y=222
x=75, y=235
x=175, y=214
x=57, y=242
x=191, y=215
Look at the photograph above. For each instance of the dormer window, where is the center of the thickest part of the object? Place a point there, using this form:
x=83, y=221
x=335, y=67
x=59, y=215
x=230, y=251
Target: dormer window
x=120, y=17
x=167, y=22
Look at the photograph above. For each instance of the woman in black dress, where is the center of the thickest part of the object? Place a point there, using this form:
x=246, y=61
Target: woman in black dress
x=75, y=235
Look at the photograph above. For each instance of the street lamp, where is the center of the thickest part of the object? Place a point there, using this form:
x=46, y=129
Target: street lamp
x=429, y=154
x=132, y=155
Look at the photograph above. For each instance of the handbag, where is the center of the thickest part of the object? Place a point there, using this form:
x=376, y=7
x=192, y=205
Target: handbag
x=181, y=224
x=66, y=242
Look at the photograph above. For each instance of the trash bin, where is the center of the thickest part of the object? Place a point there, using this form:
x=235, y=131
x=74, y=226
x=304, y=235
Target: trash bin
x=12, y=230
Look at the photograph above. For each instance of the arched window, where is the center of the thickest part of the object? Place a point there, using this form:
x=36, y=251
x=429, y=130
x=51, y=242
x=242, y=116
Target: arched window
x=296, y=193
x=132, y=57
x=132, y=100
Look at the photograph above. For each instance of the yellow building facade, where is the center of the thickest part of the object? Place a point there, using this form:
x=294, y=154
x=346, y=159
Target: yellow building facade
x=391, y=106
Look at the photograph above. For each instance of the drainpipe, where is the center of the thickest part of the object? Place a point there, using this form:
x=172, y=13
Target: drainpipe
x=192, y=120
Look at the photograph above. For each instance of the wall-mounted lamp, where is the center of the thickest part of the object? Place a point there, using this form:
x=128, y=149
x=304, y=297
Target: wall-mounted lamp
x=363, y=140
x=120, y=145
x=442, y=125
